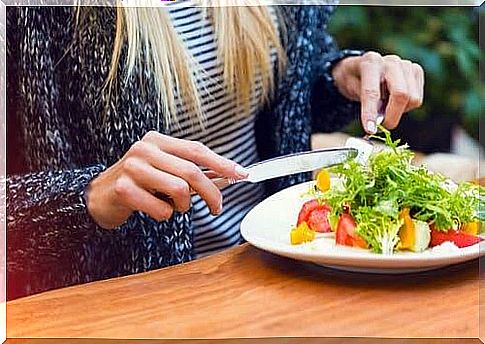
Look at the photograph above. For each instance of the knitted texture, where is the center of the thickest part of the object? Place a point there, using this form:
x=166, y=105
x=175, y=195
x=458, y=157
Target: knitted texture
x=64, y=135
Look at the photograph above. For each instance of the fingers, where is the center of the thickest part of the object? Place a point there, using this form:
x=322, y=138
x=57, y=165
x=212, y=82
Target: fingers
x=371, y=75
x=183, y=172
x=156, y=180
x=195, y=177
x=388, y=85
x=399, y=94
x=197, y=153
x=414, y=84
x=419, y=76
x=136, y=198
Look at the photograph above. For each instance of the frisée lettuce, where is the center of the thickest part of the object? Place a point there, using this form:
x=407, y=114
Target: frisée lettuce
x=375, y=195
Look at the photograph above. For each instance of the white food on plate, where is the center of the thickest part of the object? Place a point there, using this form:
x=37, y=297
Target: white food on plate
x=422, y=236
x=446, y=247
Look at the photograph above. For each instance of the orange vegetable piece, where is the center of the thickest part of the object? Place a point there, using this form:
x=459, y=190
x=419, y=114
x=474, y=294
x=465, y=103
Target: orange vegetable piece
x=323, y=180
x=407, y=232
x=471, y=228
x=301, y=234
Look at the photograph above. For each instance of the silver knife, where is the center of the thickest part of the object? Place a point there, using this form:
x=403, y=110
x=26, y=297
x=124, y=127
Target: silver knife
x=291, y=164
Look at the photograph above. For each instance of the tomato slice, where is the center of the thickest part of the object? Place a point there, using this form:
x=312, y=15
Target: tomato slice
x=346, y=235
x=346, y=225
x=318, y=220
x=306, y=209
x=459, y=238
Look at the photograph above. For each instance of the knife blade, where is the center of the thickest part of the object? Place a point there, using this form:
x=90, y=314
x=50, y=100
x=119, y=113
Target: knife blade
x=298, y=163
x=292, y=164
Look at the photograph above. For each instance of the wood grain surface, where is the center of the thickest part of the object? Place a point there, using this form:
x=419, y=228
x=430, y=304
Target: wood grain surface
x=245, y=292
x=280, y=340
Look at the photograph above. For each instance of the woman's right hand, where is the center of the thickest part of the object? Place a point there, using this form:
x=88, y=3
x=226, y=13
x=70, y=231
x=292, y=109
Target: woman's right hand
x=157, y=164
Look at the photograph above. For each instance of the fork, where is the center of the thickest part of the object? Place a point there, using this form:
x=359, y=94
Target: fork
x=364, y=145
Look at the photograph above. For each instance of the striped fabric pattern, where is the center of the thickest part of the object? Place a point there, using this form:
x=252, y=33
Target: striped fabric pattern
x=229, y=131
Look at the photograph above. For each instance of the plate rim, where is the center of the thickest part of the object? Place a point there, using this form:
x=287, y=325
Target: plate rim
x=352, y=258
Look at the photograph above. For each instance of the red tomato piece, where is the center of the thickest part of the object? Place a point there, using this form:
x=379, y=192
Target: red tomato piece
x=318, y=220
x=346, y=225
x=306, y=209
x=459, y=238
x=346, y=232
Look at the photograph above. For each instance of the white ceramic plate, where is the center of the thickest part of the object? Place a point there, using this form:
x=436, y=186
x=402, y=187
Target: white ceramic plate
x=268, y=226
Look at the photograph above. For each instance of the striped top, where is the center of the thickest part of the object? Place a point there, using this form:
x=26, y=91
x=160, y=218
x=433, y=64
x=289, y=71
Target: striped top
x=229, y=131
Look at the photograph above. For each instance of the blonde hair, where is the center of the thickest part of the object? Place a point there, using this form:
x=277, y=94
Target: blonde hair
x=245, y=36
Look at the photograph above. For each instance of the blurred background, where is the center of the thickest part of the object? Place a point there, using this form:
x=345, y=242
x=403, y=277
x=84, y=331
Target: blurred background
x=445, y=41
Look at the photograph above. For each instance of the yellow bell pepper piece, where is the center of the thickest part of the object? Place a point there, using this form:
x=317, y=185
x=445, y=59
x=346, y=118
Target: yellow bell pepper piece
x=323, y=180
x=308, y=233
x=301, y=234
x=471, y=228
x=296, y=236
x=407, y=231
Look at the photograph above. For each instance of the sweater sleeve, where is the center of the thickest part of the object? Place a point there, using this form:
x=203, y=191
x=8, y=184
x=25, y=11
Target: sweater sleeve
x=55, y=191
x=52, y=241
x=46, y=213
x=330, y=109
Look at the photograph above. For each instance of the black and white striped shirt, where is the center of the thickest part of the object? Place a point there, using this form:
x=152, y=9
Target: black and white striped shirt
x=229, y=131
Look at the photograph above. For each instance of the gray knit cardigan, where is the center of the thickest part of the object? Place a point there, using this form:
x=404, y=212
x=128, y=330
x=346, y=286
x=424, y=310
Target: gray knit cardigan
x=60, y=137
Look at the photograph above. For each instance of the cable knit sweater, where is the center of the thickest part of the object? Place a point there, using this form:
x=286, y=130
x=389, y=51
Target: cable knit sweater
x=61, y=136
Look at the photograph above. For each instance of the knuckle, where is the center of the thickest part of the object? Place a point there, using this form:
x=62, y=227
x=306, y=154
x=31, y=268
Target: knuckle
x=372, y=93
x=199, y=148
x=372, y=57
x=131, y=165
x=418, y=68
x=393, y=59
x=122, y=187
x=151, y=135
x=407, y=62
x=181, y=188
x=138, y=148
x=192, y=172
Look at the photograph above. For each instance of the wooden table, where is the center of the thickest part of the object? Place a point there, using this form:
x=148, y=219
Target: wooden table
x=245, y=292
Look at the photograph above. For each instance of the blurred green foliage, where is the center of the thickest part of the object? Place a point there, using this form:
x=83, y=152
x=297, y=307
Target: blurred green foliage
x=444, y=40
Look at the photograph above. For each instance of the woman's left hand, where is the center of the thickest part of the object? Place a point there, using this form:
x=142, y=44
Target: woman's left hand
x=385, y=85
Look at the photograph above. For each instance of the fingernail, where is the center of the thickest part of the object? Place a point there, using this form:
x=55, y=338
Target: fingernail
x=218, y=210
x=379, y=119
x=241, y=171
x=371, y=127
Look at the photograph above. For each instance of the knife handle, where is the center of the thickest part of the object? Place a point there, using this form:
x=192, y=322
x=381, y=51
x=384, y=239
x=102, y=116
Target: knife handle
x=220, y=183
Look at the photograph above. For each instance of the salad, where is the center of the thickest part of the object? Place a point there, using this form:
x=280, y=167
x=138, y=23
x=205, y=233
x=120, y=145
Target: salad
x=390, y=205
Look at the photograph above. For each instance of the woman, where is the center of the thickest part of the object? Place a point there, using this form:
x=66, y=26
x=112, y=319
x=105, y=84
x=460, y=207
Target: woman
x=107, y=108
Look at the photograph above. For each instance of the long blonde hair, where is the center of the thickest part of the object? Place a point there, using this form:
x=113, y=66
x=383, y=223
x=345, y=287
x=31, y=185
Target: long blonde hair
x=245, y=36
